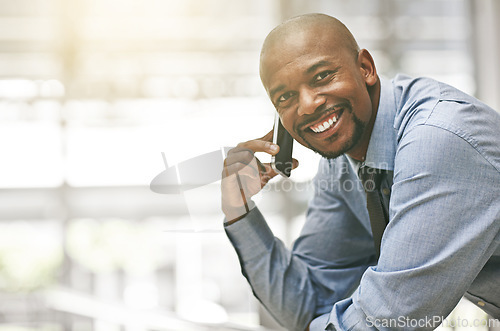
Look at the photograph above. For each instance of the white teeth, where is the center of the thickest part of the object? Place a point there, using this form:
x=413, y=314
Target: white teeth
x=327, y=124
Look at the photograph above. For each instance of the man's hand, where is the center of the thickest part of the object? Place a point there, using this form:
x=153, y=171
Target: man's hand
x=244, y=175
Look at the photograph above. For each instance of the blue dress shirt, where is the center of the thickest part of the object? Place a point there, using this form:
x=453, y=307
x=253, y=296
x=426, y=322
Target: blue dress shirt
x=442, y=147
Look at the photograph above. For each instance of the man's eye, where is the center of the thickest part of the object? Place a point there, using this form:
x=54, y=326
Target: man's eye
x=321, y=76
x=285, y=97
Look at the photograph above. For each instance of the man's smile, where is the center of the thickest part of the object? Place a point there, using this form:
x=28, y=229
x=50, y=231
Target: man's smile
x=326, y=125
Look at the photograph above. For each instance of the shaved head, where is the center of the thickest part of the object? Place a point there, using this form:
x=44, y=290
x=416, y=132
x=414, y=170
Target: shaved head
x=295, y=27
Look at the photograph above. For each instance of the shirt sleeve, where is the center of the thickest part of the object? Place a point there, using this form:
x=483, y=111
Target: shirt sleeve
x=324, y=265
x=444, y=226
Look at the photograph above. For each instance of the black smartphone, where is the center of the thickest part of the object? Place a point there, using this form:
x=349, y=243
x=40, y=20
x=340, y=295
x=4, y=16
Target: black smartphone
x=282, y=162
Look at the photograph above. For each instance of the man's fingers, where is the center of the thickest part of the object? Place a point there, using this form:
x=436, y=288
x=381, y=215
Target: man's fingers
x=260, y=146
x=239, y=155
x=240, y=168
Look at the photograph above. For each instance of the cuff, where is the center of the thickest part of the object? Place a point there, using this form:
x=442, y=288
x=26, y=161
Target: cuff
x=250, y=236
x=345, y=316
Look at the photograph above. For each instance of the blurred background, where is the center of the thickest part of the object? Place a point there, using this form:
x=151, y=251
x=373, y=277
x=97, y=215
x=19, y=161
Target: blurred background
x=93, y=91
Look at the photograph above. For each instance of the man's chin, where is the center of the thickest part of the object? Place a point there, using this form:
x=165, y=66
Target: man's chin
x=329, y=154
x=342, y=147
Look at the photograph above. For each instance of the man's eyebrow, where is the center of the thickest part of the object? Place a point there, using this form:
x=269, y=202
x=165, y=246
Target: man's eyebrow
x=317, y=65
x=275, y=90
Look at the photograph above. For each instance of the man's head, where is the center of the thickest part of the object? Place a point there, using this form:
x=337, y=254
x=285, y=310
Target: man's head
x=324, y=88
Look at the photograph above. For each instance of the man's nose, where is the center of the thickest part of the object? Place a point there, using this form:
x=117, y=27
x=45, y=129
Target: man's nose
x=309, y=101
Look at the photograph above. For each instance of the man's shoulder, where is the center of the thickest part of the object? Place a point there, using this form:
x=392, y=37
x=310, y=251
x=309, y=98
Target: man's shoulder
x=446, y=108
x=424, y=100
x=414, y=88
x=411, y=92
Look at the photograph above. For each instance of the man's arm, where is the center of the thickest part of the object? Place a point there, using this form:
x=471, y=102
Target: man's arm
x=326, y=261
x=444, y=227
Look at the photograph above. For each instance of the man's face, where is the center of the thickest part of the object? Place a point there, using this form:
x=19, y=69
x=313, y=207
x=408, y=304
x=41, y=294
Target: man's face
x=320, y=91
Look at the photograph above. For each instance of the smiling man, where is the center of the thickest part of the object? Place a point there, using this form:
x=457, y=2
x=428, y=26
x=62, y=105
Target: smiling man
x=418, y=225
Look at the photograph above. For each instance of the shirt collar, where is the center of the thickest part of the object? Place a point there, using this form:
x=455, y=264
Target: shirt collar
x=382, y=146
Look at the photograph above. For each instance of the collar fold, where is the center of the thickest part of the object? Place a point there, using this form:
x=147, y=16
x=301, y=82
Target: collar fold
x=382, y=146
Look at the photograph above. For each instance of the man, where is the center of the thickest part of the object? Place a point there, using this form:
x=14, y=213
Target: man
x=436, y=155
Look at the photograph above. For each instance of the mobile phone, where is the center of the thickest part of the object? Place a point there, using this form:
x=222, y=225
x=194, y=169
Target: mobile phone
x=282, y=162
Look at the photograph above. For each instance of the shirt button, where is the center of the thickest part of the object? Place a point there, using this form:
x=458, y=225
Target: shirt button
x=480, y=303
x=386, y=191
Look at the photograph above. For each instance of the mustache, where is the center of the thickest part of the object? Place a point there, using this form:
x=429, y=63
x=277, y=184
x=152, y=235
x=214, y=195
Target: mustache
x=321, y=112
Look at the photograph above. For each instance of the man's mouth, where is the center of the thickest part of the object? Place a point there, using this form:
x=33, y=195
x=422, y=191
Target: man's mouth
x=325, y=124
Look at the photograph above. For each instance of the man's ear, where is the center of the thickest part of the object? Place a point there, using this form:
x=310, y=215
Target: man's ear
x=367, y=67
